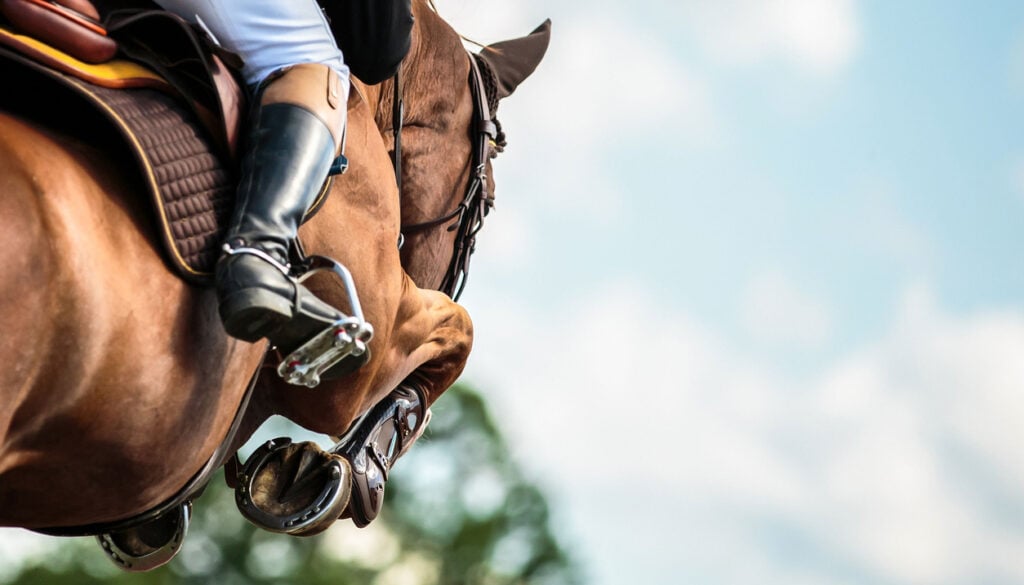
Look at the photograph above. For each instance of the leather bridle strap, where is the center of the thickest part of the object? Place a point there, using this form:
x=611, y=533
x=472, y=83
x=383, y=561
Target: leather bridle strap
x=477, y=202
x=397, y=117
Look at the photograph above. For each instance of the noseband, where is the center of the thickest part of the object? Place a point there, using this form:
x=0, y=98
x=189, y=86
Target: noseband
x=468, y=215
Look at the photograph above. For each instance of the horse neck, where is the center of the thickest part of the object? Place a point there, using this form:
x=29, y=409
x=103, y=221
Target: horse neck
x=436, y=168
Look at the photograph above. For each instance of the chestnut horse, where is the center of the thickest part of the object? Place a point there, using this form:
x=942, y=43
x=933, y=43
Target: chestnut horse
x=120, y=383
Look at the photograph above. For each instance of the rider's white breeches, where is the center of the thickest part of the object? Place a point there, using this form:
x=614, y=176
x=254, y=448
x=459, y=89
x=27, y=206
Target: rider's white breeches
x=267, y=34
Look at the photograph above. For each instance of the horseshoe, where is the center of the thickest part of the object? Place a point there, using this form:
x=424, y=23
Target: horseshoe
x=150, y=545
x=293, y=488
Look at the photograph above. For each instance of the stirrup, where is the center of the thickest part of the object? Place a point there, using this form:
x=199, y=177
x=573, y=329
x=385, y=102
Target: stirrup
x=373, y=445
x=346, y=338
x=150, y=545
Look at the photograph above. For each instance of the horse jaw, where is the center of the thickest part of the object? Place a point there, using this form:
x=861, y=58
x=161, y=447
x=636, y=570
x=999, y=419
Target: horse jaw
x=514, y=60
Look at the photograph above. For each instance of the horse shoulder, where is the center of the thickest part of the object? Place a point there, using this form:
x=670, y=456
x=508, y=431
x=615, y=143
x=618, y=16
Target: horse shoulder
x=113, y=361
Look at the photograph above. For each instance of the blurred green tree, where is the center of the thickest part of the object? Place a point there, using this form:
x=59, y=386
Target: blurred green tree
x=458, y=511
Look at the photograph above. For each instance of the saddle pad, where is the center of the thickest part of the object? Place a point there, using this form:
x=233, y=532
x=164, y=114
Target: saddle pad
x=191, y=188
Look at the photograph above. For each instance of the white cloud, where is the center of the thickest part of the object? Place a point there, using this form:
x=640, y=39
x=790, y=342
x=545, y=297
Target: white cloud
x=893, y=498
x=488, y=21
x=776, y=311
x=605, y=87
x=624, y=404
x=818, y=36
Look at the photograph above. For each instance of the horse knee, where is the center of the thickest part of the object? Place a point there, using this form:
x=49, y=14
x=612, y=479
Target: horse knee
x=463, y=325
x=452, y=341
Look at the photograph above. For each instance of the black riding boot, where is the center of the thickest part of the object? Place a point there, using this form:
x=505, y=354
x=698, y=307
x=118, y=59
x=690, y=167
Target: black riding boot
x=289, y=156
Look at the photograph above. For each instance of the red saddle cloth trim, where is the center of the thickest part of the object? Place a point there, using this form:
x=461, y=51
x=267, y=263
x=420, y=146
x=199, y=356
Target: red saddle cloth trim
x=63, y=27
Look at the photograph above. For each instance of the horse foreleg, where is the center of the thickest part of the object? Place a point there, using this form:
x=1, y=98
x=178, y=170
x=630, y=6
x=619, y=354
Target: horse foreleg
x=431, y=343
x=424, y=352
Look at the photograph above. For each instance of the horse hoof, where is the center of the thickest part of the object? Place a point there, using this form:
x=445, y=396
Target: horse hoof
x=150, y=545
x=293, y=488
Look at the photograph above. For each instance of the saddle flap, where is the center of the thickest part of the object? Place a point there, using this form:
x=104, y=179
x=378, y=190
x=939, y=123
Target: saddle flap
x=191, y=62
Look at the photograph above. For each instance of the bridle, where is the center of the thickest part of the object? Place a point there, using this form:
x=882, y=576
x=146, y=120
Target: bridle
x=468, y=215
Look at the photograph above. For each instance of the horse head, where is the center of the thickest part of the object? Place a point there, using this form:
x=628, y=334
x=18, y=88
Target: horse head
x=447, y=117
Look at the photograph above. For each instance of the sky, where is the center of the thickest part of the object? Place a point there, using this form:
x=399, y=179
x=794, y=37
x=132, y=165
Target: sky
x=749, y=306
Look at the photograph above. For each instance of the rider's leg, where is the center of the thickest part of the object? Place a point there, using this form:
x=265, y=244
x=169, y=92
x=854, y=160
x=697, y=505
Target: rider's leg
x=289, y=52
x=293, y=138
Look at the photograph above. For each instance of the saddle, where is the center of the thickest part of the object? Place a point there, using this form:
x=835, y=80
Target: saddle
x=171, y=96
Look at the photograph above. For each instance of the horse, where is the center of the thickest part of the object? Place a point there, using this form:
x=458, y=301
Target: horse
x=121, y=386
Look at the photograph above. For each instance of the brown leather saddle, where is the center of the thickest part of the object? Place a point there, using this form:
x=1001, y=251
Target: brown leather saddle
x=170, y=95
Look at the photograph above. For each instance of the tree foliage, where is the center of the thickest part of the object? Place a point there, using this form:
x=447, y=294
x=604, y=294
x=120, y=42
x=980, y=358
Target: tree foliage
x=457, y=512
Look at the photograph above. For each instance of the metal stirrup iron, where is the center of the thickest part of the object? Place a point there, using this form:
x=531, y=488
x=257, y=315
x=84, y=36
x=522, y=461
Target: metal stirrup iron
x=345, y=338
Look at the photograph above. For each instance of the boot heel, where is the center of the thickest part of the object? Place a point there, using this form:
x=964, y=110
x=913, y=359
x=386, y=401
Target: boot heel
x=252, y=314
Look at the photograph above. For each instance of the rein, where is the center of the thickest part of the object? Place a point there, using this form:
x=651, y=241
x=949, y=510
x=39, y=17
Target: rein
x=477, y=203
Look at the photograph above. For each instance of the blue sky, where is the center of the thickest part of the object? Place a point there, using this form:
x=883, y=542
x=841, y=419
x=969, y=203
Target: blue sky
x=749, y=306
x=750, y=302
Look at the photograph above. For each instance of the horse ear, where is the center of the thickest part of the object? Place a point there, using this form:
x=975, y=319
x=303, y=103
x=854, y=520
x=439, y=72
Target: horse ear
x=514, y=60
